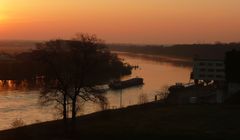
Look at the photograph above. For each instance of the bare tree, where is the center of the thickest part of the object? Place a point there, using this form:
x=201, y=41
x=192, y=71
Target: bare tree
x=74, y=69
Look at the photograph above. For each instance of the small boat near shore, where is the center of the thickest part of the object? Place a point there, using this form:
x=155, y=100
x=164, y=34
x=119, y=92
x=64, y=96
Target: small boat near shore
x=126, y=84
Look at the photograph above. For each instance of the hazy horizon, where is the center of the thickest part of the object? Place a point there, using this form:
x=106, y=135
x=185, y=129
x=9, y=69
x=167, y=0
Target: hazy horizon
x=115, y=43
x=128, y=22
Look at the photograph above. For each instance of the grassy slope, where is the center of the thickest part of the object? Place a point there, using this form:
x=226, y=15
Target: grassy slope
x=150, y=120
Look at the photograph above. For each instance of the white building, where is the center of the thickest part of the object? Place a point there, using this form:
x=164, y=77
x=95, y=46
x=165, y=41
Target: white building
x=208, y=70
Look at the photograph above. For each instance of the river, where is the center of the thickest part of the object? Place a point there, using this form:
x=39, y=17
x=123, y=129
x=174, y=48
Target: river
x=158, y=73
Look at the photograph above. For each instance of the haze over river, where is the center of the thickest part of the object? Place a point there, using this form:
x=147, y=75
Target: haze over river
x=158, y=72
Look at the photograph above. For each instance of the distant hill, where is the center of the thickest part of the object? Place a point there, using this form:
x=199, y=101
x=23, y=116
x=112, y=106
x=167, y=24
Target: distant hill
x=216, y=51
x=181, y=51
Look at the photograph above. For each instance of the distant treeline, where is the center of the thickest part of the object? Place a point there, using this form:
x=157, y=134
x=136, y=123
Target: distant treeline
x=216, y=51
x=16, y=46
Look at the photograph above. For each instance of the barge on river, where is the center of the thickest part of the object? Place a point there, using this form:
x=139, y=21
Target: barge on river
x=126, y=84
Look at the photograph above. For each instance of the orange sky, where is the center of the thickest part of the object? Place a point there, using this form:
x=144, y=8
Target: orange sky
x=125, y=21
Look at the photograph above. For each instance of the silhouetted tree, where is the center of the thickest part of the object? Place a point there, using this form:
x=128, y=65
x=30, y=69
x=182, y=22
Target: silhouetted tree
x=74, y=69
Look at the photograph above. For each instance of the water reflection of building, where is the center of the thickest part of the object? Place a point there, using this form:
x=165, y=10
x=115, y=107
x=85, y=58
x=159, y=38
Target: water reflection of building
x=208, y=70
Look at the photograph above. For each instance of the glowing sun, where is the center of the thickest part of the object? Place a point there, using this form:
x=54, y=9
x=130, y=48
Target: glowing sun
x=2, y=18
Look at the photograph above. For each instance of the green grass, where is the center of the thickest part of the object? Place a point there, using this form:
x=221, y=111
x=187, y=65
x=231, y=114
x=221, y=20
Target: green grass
x=143, y=121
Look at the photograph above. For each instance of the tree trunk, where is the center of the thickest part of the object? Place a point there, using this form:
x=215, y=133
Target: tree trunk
x=65, y=108
x=74, y=102
x=65, y=113
x=74, y=113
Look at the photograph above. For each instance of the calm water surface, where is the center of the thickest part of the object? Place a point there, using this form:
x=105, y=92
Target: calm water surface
x=158, y=72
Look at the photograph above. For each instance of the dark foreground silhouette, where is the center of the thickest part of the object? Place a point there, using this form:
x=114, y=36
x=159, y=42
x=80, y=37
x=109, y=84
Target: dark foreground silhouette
x=148, y=121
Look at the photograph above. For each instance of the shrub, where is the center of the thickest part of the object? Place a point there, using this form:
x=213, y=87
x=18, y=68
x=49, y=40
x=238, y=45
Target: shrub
x=17, y=123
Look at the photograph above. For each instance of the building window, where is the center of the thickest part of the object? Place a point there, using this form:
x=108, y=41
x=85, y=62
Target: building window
x=202, y=70
x=202, y=75
x=202, y=64
x=210, y=64
x=210, y=76
x=219, y=64
x=210, y=70
x=219, y=76
x=220, y=70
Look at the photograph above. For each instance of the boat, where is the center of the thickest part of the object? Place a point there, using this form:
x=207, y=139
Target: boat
x=126, y=84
